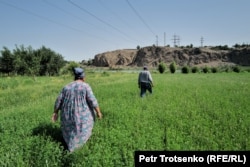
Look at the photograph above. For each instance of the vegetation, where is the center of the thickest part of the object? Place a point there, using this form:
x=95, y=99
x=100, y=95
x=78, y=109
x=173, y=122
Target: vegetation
x=172, y=67
x=205, y=69
x=67, y=69
x=195, y=69
x=26, y=61
x=162, y=67
x=185, y=112
x=214, y=70
x=185, y=69
x=236, y=69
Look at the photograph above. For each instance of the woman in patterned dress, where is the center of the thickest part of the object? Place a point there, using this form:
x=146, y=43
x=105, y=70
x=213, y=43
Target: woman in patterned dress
x=78, y=105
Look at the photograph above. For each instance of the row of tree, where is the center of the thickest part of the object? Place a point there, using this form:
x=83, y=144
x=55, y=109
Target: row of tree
x=27, y=61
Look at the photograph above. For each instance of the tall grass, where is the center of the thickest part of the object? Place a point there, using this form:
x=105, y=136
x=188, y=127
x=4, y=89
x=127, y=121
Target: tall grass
x=185, y=112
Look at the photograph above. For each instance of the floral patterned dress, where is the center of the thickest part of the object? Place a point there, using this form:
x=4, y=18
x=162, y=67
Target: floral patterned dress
x=76, y=102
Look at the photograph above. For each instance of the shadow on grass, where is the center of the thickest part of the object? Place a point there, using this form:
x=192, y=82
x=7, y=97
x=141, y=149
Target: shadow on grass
x=51, y=131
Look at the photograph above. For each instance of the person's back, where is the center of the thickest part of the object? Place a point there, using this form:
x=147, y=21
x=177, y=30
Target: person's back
x=74, y=96
x=145, y=76
x=145, y=81
x=77, y=104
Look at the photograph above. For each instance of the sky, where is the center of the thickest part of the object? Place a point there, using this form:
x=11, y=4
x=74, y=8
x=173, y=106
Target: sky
x=81, y=29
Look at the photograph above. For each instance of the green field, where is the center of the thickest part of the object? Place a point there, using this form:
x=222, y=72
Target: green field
x=186, y=112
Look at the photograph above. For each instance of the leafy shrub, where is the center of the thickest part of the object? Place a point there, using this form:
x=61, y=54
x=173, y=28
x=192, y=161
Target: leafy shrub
x=197, y=51
x=236, y=69
x=67, y=69
x=185, y=70
x=105, y=74
x=162, y=67
x=248, y=70
x=172, y=67
x=195, y=69
x=205, y=69
x=227, y=69
x=214, y=70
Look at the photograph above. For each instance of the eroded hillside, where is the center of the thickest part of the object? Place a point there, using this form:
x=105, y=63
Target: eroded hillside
x=152, y=56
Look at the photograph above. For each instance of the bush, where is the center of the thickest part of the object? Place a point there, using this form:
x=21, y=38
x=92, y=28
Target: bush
x=214, y=70
x=195, y=69
x=236, y=69
x=185, y=70
x=162, y=67
x=172, y=67
x=205, y=69
x=247, y=70
x=197, y=51
x=67, y=69
x=227, y=69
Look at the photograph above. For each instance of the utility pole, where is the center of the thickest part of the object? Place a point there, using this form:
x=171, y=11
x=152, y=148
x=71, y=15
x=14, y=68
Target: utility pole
x=164, y=39
x=202, y=40
x=156, y=40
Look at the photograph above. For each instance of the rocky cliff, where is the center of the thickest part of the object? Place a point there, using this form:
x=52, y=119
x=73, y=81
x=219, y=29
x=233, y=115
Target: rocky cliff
x=152, y=56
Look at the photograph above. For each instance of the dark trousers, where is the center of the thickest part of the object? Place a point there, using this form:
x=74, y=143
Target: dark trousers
x=144, y=87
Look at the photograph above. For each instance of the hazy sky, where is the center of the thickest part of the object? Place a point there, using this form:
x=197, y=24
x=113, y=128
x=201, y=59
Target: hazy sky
x=80, y=29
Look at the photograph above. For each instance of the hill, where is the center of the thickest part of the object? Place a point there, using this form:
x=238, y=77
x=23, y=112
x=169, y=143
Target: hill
x=153, y=55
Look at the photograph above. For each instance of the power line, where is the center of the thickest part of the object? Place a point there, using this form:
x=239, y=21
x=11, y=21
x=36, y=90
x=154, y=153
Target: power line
x=79, y=18
x=41, y=17
x=115, y=14
x=49, y=20
x=55, y=6
x=99, y=19
x=112, y=12
x=140, y=17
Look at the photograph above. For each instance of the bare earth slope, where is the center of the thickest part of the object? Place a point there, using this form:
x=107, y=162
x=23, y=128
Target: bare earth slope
x=152, y=56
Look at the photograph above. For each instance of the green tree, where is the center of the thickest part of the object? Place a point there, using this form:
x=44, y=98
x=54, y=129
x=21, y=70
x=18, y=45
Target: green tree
x=205, y=69
x=185, y=70
x=6, y=61
x=67, y=69
x=162, y=67
x=26, y=61
x=172, y=67
x=50, y=61
x=195, y=69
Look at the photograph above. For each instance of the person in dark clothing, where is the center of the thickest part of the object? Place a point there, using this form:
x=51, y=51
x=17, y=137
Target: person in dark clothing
x=145, y=81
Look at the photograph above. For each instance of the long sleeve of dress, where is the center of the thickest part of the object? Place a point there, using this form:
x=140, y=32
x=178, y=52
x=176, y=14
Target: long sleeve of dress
x=90, y=97
x=58, y=102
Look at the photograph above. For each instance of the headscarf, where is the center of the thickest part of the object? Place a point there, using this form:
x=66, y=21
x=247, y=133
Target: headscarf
x=79, y=73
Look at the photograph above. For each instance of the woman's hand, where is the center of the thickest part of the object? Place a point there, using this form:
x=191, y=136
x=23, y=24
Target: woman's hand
x=54, y=117
x=98, y=112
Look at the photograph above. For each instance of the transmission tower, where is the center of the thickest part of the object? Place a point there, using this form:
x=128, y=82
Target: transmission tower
x=176, y=40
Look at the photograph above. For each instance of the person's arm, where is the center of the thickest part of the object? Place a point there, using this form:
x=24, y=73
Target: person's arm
x=139, y=80
x=150, y=79
x=57, y=107
x=92, y=101
x=98, y=112
x=55, y=115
